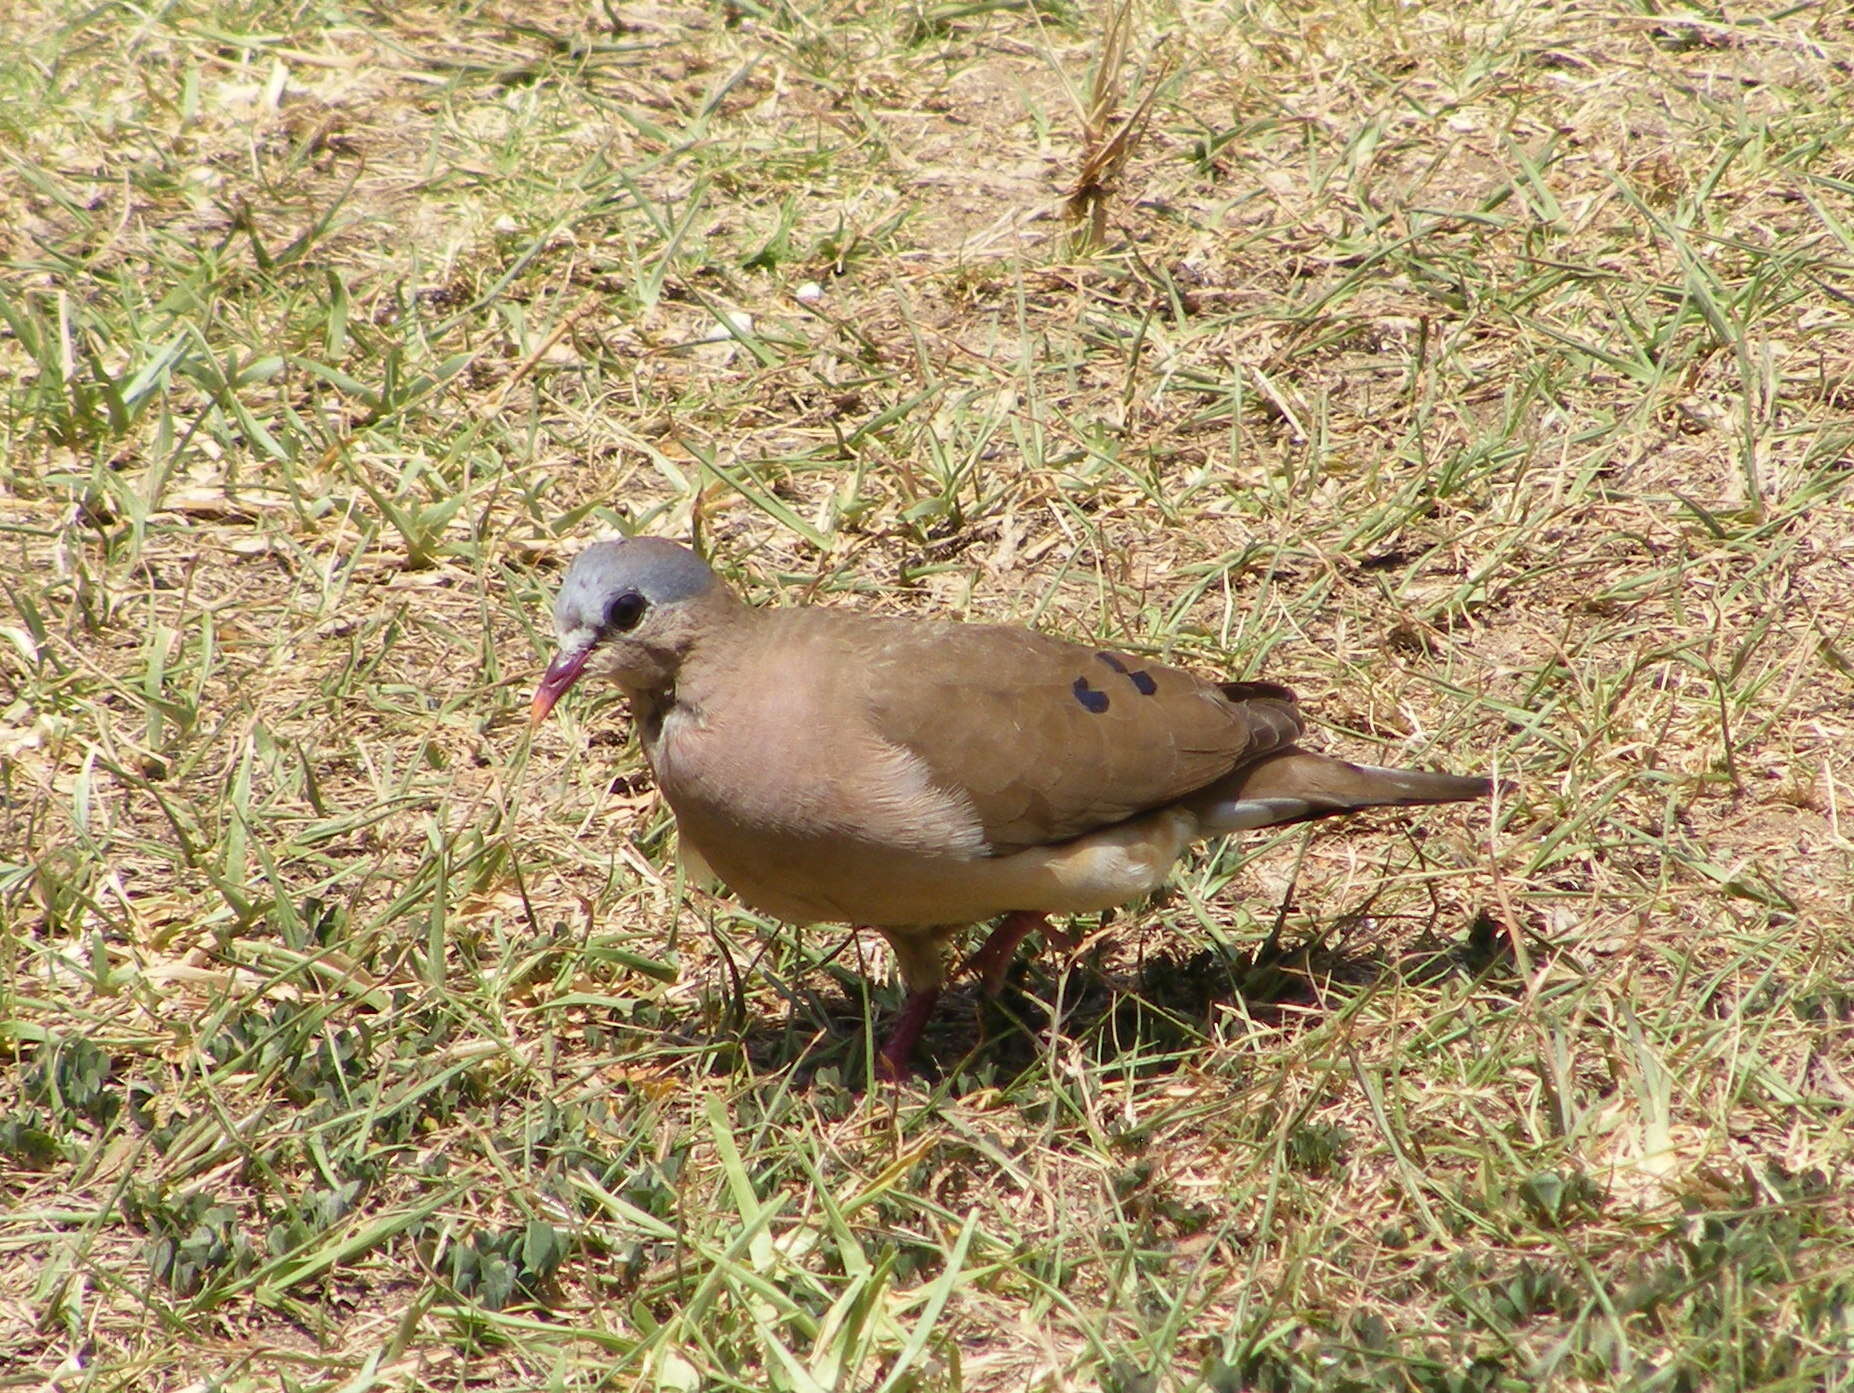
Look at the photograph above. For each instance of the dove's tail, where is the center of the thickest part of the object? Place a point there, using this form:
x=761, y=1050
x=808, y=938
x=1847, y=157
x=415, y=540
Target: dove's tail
x=1296, y=786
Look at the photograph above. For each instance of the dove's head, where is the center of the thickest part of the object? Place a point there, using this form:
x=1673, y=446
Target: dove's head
x=629, y=611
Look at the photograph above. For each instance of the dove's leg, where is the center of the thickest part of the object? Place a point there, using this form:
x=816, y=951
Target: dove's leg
x=992, y=959
x=918, y=953
x=895, y=1061
x=923, y=970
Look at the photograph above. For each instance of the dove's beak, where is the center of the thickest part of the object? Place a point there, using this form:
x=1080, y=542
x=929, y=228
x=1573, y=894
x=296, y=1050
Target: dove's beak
x=561, y=674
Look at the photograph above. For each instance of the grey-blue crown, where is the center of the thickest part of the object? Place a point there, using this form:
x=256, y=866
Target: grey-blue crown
x=662, y=571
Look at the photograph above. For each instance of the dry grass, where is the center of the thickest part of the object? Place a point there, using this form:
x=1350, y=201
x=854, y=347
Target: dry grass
x=1485, y=371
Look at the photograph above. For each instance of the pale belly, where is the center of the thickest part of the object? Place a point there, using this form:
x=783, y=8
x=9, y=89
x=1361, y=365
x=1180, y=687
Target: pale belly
x=813, y=880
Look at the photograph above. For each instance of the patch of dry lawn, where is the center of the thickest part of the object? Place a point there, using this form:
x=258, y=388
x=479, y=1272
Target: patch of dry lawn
x=1483, y=371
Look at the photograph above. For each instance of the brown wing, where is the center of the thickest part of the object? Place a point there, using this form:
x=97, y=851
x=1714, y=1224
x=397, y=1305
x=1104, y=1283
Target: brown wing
x=1051, y=739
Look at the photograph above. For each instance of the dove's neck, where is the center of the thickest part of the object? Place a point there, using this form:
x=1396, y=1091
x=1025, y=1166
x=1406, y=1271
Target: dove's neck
x=712, y=646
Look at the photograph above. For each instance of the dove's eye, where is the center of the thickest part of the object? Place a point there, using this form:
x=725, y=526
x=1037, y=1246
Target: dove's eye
x=624, y=610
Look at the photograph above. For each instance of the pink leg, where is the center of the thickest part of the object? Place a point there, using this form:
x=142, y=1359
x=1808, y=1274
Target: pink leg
x=895, y=1061
x=992, y=959
x=1061, y=939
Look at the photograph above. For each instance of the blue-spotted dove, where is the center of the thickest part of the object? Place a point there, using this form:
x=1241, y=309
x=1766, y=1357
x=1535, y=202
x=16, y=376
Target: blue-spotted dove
x=919, y=776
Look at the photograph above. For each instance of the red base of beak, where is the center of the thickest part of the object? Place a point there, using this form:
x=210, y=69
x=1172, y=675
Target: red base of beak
x=561, y=674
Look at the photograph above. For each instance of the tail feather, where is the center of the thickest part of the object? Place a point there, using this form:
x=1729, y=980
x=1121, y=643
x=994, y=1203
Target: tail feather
x=1295, y=785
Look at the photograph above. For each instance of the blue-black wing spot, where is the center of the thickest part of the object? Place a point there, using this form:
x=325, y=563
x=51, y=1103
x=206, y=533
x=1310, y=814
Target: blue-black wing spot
x=1139, y=677
x=1095, y=701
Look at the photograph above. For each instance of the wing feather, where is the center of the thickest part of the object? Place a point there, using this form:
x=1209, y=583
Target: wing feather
x=1050, y=739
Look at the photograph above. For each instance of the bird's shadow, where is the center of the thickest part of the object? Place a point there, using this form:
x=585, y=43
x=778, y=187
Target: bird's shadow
x=1150, y=1016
